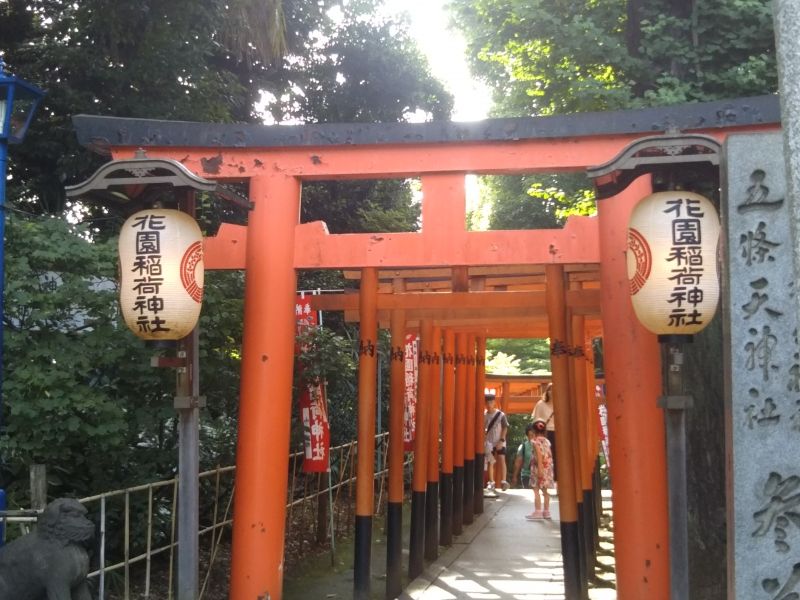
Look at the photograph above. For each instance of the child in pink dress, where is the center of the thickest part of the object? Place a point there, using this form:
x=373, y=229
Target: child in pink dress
x=541, y=471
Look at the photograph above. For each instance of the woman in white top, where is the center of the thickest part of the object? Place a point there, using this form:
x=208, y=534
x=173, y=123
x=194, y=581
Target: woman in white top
x=544, y=411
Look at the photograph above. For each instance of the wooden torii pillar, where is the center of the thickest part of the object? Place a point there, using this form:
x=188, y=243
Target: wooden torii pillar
x=480, y=436
x=432, y=491
x=635, y=424
x=276, y=160
x=470, y=404
x=419, y=484
x=394, y=506
x=266, y=388
x=365, y=465
x=574, y=579
x=448, y=437
x=458, y=437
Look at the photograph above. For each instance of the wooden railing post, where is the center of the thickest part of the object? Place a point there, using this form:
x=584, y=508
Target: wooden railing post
x=38, y=486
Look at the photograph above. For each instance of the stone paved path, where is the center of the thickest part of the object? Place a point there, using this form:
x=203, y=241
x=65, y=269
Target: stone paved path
x=501, y=556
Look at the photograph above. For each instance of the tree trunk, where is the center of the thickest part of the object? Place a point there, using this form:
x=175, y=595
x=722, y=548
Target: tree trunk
x=682, y=10
x=633, y=27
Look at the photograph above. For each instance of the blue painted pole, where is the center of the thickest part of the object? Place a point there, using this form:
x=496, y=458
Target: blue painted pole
x=9, y=88
x=3, y=161
x=13, y=127
x=3, y=506
x=3, y=156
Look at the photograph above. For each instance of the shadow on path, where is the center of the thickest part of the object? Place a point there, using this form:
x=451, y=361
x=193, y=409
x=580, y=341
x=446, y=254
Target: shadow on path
x=501, y=556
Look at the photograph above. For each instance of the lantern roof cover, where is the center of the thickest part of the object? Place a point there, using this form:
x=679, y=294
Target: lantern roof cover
x=115, y=180
x=650, y=155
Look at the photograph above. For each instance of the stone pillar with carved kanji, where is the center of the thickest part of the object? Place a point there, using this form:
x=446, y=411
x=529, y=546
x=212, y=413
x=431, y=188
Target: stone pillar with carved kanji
x=762, y=372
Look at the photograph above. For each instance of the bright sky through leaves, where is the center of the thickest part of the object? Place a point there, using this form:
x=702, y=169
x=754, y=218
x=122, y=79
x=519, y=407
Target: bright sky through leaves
x=445, y=51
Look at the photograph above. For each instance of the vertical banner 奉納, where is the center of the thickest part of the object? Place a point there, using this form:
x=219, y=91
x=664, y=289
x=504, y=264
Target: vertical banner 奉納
x=411, y=369
x=313, y=405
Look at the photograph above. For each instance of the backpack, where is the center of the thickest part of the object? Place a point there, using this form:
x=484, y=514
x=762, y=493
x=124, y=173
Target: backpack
x=532, y=460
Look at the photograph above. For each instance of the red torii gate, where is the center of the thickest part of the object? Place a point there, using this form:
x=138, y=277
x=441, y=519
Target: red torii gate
x=276, y=160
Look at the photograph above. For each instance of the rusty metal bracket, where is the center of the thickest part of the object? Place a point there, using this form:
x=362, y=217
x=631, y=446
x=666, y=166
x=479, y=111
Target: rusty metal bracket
x=190, y=402
x=169, y=362
x=675, y=402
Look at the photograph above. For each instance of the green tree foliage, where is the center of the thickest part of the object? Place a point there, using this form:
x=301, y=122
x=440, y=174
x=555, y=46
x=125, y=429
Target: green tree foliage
x=146, y=59
x=553, y=57
x=536, y=201
x=221, y=328
x=86, y=401
x=540, y=55
x=79, y=393
x=526, y=356
x=184, y=60
x=264, y=22
x=707, y=50
x=329, y=359
x=500, y=363
x=549, y=57
x=368, y=206
x=360, y=67
x=513, y=207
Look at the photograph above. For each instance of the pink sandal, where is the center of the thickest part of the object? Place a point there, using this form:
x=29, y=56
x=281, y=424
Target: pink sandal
x=535, y=516
x=546, y=515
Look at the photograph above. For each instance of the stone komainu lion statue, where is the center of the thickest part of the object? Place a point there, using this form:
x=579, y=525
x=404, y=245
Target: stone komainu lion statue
x=51, y=562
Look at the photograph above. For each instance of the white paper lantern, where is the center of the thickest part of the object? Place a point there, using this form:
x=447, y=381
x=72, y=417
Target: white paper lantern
x=672, y=262
x=161, y=272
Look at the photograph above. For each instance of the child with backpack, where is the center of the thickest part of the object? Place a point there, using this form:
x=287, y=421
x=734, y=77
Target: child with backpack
x=522, y=460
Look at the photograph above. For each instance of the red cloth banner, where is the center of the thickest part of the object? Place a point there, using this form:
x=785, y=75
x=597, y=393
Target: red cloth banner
x=602, y=413
x=313, y=405
x=411, y=367
x=316, y=432
x=305, y=316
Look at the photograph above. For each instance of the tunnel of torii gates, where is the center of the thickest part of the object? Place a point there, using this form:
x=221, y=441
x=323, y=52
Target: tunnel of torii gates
x=457, y=288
